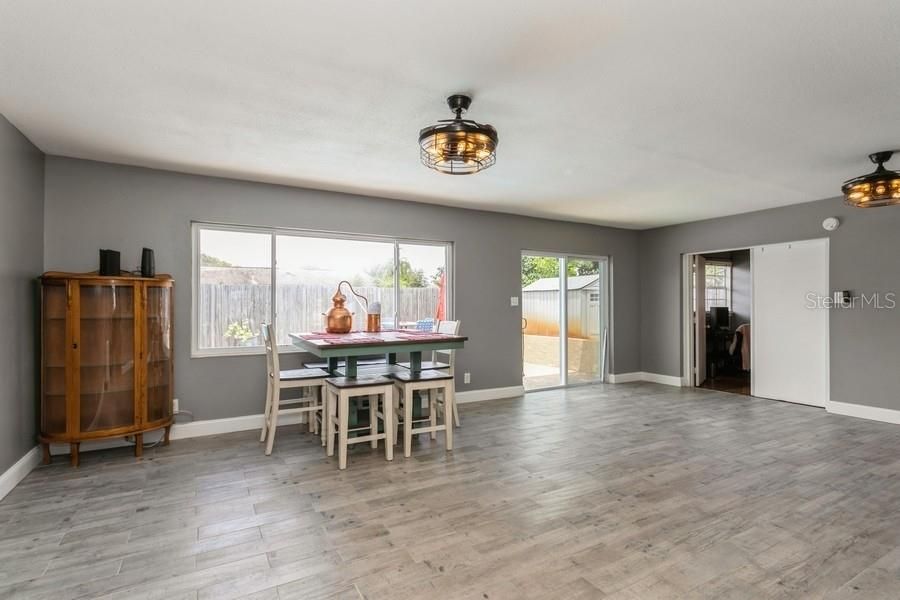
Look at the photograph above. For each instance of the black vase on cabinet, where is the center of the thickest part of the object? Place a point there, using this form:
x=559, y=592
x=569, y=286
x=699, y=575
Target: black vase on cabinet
x=148, y=263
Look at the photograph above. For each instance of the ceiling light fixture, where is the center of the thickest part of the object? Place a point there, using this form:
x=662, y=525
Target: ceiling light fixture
x=881, y=187
x=458, y=146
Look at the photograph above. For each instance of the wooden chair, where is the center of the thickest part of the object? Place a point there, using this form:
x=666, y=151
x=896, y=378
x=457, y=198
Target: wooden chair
x=443, y=359
x=276, y=380
x=338, y=393
x=430, y=384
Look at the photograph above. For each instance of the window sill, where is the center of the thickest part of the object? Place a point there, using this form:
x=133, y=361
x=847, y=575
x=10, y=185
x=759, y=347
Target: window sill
x=251, y=351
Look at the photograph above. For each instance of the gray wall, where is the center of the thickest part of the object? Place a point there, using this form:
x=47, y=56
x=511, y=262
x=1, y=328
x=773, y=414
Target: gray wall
x=92, y=205
x=21, y=260
x=864, y=255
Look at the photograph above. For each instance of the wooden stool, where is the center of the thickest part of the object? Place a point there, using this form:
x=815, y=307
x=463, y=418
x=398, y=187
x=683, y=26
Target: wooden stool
x=338, y=391
x=431, y=382
x=447, y=356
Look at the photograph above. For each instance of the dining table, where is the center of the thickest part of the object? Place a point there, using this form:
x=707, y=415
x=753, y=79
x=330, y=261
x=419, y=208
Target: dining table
x=349, y=347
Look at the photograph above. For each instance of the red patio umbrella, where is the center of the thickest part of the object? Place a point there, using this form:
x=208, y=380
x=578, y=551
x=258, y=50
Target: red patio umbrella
x=442, y=306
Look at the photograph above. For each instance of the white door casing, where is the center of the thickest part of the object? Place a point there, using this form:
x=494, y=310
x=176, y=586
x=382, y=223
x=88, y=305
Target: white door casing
x=699, y=320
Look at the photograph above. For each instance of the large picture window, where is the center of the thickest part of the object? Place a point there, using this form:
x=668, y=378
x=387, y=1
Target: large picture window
x=246, y=276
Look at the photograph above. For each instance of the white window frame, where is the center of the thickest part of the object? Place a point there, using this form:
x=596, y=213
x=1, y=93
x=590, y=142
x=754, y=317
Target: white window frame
x=728, y=286
x=274, y=232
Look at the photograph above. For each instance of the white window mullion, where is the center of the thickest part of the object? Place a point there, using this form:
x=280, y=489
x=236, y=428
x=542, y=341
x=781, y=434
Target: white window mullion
x=396, y=285
x=564, y=320
x=449, y=308
x=273, y=295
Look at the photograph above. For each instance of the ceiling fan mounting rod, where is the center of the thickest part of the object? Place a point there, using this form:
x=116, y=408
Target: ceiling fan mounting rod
x=459, y=103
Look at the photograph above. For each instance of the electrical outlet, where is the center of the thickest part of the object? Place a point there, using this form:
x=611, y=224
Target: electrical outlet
x=513, y=300
x=467, y=377
x=175, y=405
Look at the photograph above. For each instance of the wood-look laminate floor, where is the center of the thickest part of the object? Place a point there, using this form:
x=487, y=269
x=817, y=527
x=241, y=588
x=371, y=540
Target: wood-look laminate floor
x=734, y=383
x=634, y=491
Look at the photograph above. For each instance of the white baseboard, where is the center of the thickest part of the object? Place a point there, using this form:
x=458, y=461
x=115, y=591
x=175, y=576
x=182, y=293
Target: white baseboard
x=489, y=394
x=16, y=473
x=625, y=377
x=644, y=376
x=192, y=429
x=216, y=426
x=663, y=379
x=873, y=413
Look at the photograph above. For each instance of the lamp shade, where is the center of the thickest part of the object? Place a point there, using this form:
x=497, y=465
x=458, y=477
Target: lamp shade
x=458, y=146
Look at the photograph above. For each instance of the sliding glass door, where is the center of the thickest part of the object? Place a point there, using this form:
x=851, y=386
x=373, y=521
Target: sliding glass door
x=541, y=314
x=586, y=315
x=565, y=319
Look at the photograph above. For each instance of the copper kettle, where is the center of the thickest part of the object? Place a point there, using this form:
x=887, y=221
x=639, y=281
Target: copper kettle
x=338, y=319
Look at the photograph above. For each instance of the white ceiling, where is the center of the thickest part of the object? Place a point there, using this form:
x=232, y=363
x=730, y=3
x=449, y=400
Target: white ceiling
x=622, y=112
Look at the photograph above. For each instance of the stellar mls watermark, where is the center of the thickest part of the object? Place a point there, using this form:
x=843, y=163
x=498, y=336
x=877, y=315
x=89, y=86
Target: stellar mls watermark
x=875, y=300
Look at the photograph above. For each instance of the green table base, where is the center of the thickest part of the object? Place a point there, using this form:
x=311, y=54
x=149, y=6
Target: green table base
x=351, y=370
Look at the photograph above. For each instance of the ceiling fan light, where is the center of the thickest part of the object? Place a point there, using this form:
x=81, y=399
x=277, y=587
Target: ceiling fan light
x=458, y=146
x=879, y=188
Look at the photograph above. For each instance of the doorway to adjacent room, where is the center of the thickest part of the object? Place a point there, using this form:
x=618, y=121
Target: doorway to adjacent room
x=750, y=326
x=720, y=297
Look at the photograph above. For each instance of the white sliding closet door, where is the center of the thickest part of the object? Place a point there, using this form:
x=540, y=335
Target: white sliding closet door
x=789, y=340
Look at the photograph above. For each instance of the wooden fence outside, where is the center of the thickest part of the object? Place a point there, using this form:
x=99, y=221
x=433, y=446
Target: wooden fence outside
x=299, y=307
x=540, y=309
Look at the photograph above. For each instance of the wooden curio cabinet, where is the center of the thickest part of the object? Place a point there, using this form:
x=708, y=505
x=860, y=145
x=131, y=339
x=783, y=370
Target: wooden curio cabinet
x=106, y=358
